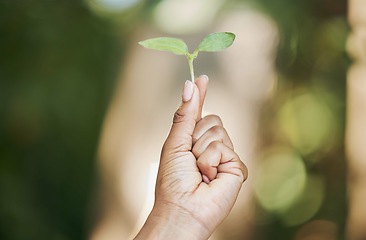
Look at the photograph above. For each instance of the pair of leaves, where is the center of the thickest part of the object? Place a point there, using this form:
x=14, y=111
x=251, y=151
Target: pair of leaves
x=211, y=43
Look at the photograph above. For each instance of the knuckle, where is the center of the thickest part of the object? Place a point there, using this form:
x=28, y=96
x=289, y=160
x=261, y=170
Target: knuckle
x=244, y=171
x=196, y=151
x=180, y=145
x=220, y=134
x=239, y=169
x=218, y=131
x=216, y=120
x=215, y=145
x=194, y=138
x=203, y=166
x=179, y=116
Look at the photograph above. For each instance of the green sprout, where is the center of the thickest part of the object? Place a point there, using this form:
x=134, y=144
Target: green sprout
x=211, y=43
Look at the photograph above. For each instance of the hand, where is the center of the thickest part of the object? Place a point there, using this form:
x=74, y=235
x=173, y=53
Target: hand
x=199, y=176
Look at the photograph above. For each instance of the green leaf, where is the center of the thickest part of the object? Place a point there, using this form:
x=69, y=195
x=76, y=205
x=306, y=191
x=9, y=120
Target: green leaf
x=173, y=45
x=216, y=42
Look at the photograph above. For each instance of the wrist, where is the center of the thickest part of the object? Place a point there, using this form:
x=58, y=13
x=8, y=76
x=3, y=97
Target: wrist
x=167, y=222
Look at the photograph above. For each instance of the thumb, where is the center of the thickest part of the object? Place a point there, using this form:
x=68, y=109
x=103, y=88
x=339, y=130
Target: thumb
x=184, y=121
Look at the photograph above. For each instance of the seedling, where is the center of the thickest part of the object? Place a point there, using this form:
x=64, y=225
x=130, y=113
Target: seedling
x=211, y=43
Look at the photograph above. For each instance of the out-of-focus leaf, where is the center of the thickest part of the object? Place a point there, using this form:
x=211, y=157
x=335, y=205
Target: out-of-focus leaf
x=216, y=42
x=173, y=45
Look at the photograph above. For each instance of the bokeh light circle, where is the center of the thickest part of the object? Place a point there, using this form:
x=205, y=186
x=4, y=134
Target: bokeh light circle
x=280, y=179
x=307, y=122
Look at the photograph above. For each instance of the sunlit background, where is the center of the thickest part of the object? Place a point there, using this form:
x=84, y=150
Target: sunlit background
x=85, y=110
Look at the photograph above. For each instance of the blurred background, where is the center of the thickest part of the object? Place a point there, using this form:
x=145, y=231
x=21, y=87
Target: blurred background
x=85, y=110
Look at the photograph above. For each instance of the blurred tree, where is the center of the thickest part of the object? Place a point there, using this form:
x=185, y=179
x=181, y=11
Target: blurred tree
x=57, y=65
x=312, y=64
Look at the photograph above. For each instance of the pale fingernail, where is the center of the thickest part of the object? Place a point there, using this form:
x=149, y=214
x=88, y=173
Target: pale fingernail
x=205, y=76
x=187, y=91
x=205, y=179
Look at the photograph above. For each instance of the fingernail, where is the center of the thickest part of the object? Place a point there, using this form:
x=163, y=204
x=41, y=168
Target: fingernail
x=205, y=179
x=205, y=76
x=187, y=91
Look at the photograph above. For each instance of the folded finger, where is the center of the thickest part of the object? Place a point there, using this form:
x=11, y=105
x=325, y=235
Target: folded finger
x=219, y=158
x=204, y=125
x=214, y=134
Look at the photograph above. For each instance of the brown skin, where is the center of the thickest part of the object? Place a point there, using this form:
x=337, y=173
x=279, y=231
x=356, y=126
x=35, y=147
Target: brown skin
x=199, y=176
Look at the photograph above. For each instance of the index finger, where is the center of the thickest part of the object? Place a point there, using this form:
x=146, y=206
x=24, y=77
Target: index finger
x=202, y=84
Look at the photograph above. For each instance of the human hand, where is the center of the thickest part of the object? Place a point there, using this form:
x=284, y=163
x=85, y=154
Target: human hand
x=199, y=176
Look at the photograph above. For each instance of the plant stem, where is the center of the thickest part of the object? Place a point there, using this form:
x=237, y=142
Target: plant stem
x=190, y=62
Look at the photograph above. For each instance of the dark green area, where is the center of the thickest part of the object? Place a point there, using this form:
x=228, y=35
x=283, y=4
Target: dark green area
x=57, y=70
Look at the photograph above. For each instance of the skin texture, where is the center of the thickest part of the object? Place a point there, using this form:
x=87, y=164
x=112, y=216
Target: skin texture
x=199, y=175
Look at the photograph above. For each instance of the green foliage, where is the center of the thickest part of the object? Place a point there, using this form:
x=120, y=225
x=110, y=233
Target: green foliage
x=172, y=45
x=216, y=42
x=211, y=43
